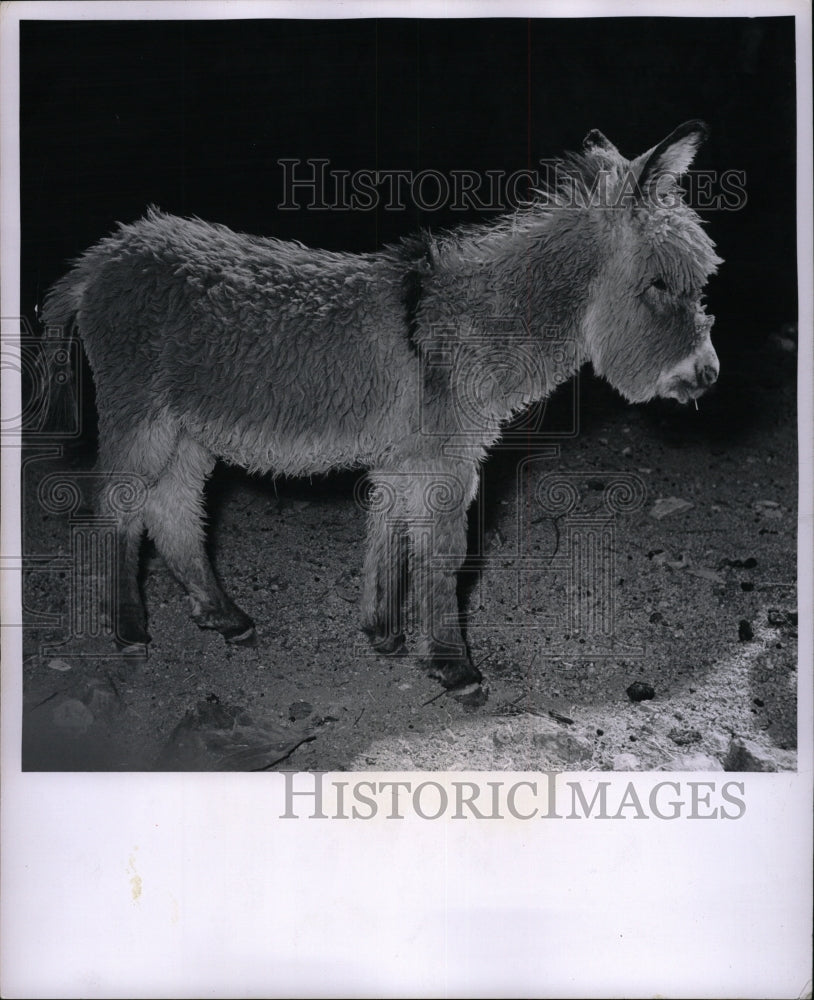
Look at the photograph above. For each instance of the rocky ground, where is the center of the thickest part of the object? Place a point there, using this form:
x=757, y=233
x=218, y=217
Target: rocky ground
x=676, y=650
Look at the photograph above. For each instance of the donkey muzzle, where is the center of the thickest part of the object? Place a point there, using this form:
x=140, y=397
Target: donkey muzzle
x=692, y=377
x=706, y=375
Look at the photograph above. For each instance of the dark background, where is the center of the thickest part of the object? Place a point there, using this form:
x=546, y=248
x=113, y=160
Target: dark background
x=193, y=116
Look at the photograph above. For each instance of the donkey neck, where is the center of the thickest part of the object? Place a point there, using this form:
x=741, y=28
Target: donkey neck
x=505, y=305
x=530, y=273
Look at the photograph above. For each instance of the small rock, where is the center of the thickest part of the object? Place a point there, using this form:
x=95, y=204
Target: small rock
x=573, y=749
x=666, y=506
x=684, y=736
x=746, y=755
x=692, y=762
x=566, y=746
x=718, y=742
x=299, y=710
x=705, y=574
x=73, y=715
x=777, y=618
x=626, y=762
x=503, y=736
x=745, y=631
x=767, y=504
x=640, y=691
x=101, y=697
x=58, y=665
x=749, y=563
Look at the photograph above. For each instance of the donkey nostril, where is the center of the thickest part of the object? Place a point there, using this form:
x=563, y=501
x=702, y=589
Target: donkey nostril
x=707, y=375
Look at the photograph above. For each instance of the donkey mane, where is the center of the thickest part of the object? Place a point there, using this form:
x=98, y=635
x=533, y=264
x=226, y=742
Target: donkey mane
x=573, y=182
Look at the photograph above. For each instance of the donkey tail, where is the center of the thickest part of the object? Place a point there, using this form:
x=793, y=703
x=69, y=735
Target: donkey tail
x=59, y=316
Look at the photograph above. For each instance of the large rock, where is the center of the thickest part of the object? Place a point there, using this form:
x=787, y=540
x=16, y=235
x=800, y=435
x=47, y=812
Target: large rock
x=746, y=755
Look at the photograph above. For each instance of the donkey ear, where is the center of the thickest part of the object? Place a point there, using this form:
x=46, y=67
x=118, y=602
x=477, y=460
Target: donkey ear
x=595, y=140
x=674, y=154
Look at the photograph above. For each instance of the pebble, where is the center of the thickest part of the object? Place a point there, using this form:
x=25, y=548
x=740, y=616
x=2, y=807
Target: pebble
x=692, y=762
x=299, y=710
x=745, y=631
x=626, y=762
x=58, y=665
x=666, y=506
x=503, y=736
x=777, y=618
x=749, y=563
x=684, y=736
x=705, y=574
x=73, y=715
x=566, y=746
x=718, y=741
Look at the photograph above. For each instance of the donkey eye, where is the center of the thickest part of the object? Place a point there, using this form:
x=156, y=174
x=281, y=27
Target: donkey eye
x=659, y=283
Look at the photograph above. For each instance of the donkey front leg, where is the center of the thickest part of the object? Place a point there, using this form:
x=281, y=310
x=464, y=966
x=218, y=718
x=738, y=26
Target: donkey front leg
x=438, y=550
x=384, y=582
x=124, y=604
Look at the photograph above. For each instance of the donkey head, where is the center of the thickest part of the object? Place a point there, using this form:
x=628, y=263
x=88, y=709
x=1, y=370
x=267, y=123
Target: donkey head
x=646, y=329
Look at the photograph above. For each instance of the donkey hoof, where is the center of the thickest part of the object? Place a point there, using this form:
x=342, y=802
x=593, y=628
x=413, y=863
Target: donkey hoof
x=132, y=638
x=471, y=696
x=389, y=645
x=454, y=674
x=241, y=636
x=130, y=648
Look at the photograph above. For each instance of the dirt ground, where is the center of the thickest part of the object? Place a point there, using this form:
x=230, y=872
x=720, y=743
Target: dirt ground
x=698, y=609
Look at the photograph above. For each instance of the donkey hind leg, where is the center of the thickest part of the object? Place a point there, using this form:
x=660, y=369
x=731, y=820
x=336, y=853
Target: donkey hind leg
x=173, y=515
x=384, y=583
x=142, y=452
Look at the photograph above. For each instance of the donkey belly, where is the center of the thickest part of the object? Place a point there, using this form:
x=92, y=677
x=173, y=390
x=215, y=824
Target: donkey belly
x=284, y=413
x=285, y=446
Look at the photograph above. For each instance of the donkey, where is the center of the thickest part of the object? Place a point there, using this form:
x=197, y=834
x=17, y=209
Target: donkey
x=206, y=344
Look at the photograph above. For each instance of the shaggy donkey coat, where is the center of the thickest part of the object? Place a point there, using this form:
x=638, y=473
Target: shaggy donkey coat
x=206, y=344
